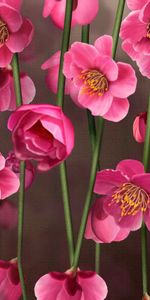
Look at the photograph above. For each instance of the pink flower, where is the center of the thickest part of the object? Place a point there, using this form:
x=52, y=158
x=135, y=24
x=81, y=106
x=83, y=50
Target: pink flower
x=139, y=127
x=9, y=182
x=10, y=287
x=7, y=91
x=137, y=42
x=136, y=4
x=8, y=214
x=125, y=202
x=85, y=285
x=41, y=132
x=52, y=67
x=84, y=11
x=15, y=33
x=14, y=164
x=98, y=82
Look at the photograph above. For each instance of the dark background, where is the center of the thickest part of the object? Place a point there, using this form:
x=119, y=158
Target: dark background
x=45, y=247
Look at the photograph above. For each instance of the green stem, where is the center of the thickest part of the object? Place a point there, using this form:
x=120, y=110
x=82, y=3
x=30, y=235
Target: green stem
x=97, y=258
x=64, y=48
x=144, y=248
x=97, y=150
x=16, y=74
x=60, y=102
x=116, y=29
x=92, y=133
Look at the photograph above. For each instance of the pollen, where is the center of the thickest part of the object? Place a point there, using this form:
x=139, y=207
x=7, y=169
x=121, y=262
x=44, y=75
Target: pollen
x=148, y=31
x=4, y=33
x=131, y=199
x=95, y=82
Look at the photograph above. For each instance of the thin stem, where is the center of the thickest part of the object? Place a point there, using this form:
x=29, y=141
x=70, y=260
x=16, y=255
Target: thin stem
x=116, y=29
x=96, y=151
x=92, y=133
x=16, y=74
x=89, y=193
x=64, y=48
x=144, y=247
x=60, y=102
x=97, y=258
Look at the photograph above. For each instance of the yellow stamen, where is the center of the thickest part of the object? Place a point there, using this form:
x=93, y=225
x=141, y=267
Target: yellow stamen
x=131, y=199
x=4, y=33
x=95, y=82
x=148, y=31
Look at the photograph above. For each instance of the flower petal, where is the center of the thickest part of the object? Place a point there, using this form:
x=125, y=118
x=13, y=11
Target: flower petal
x=85, y=11
x=11, y=16
x=136, y=4
x=125, y=85
x=22, y=38
x=118, y=110
x=83, y=55
x=107, y=180
x=129, y=49
x=107, y=66
x=130, y=22
x=142, y=180
x=98, y=105
x=9, y=183
x=5, y=56
x=104, y=45
x=130, y=167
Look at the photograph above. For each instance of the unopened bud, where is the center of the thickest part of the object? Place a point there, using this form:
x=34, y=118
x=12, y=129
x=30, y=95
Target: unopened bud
x=146, y=297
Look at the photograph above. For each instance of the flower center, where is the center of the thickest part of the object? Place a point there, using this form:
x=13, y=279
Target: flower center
x=131, y=199
x=38, y=128
x=4, y=33
x=148, y=31
x=95, y=82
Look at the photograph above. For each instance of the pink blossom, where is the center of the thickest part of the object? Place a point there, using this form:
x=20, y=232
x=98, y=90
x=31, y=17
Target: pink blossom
x=85, y=285
x=7, y=91
x=10, y=287
x=84, y=11
x=139, y=127
x=9, y=182
x=125, y=202
x=41, y=132
x=137, y=42
x=15, y=35
x=14, y=164
x=98, y=82
x=52, y=67
x=8, y=214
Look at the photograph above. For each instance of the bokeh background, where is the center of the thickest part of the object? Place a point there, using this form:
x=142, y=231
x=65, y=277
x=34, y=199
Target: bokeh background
x=45, y=247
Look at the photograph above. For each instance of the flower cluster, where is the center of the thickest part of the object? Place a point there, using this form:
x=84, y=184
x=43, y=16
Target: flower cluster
x=42, y=132
x=136, y=43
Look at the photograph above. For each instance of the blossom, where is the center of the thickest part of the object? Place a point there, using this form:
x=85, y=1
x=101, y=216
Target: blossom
x=52, y=67
x=10, y=287
x=98, y=82
x=15, y=33
x=84, y=11
x=146, y=297
x=14, y=164
x=137, y=42
x=82, y=285
x=14, y=3
x=7, y=91
x=139, y=127
x=125, y=202
x=41, y=132
x=9, y=182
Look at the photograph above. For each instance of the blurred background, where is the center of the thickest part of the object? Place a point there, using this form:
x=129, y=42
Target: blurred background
x=45, y=247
